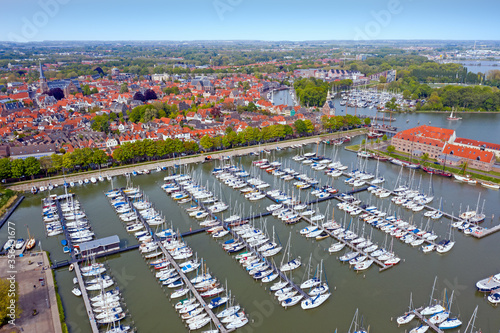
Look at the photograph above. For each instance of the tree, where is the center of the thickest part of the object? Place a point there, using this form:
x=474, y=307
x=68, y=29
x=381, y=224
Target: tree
x=5, y=168
x=17, y=168
x=424, y=157
x=384, y=137
x=391, y=149
x=392, y=105
x=206, y=142
x=57, y=93
x=464, y=166
x=382, y=79
x=31, y=166
x=138, y=96
x=86, y=90
x=367, y=121
x=300, y=126
x=149, y=94
x=150, y=114
x=124, y=88
x=309, y=126
x=56, y=161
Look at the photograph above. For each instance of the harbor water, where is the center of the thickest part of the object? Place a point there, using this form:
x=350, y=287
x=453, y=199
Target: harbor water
x=380, y=297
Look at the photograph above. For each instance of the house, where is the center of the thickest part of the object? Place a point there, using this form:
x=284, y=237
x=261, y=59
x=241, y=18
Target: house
x=36, y=151
x=427, y=139
x=475, y=158
x=112, y=142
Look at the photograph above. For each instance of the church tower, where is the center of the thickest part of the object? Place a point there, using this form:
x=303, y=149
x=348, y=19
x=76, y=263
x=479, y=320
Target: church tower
x=328, y=108
x=43, y=81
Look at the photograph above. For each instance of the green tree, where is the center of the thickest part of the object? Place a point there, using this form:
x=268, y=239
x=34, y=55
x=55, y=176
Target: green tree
x=392, y=105
x=206, y=142
x=17, y=167
x=56, y=161
x=384, y=137
x=391, y=149
x=300, y=126
x=367, y=121
x=5, y=168
x=424, y=157
x=309, y=126
x=31, y=166
x=124, y=88
x=382, y=79
x=68, y=162
x=464, y=166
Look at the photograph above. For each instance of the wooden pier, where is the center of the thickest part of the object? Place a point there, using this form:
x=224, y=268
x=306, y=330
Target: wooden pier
x=486, y=232
x=275, y=269
x=85, y=296
x=174, y=264
x=382, y=266
x=64, y=263
x=251, y=249
x=425, y=321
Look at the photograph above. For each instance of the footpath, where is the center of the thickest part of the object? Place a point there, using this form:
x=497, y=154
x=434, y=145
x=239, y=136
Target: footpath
x=26, y=185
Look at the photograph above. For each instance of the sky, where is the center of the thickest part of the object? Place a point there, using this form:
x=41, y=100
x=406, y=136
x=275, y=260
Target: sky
x=294, y=20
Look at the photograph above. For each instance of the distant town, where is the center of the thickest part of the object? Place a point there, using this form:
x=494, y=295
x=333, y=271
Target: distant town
x=61, y=101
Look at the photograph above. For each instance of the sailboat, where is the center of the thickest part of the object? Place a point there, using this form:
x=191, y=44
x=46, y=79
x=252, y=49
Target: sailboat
x=453, y=118
x=444, y=320
x=408, y=316
x=291, y=264
x=471, y=322
x=357, y=328
x=310, y=282
x=432, y=309
x=315, y=301
x=320, y=288
x=445, y=245
x=30, y=243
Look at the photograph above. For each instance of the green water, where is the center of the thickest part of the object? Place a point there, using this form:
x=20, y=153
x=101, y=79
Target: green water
x=379, y=296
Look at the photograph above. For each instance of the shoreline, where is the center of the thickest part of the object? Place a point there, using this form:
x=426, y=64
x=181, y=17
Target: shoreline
x=444, y=112
x=25, y=186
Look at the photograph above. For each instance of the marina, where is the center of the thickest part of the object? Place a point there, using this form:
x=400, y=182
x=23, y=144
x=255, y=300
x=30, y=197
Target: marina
x=350, y=288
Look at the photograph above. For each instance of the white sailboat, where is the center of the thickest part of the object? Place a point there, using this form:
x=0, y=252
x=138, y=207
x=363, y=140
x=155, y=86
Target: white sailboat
x=432, y=309
x=408, y=316
x=291, y=264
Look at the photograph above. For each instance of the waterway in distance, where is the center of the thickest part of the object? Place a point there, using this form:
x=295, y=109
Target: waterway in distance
x=379, y=296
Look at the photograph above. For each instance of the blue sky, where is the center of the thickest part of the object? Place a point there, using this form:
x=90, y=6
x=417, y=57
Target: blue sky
x=36, y=20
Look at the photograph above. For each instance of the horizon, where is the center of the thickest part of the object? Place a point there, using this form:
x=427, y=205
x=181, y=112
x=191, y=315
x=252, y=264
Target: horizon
x=239, y=20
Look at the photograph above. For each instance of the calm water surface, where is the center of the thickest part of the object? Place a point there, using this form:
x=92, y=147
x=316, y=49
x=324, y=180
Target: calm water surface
x=379, y=296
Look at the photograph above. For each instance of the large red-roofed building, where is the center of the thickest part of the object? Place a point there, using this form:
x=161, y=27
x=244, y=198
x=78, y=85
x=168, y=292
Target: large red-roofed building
x=443, y=145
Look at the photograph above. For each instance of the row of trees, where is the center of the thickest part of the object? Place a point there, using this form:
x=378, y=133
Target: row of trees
x=338, y=122
x=148, y=149
x=468, y=98
x=249, y=135
x=84, y=158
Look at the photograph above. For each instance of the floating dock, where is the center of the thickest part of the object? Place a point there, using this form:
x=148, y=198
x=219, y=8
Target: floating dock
x=186, y=280
x=253, y=250
x=425, y=321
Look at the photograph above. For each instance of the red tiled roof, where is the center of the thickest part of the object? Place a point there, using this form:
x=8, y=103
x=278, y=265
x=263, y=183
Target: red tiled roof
x=470, y=153
x=475, y=143
x=430, y=132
